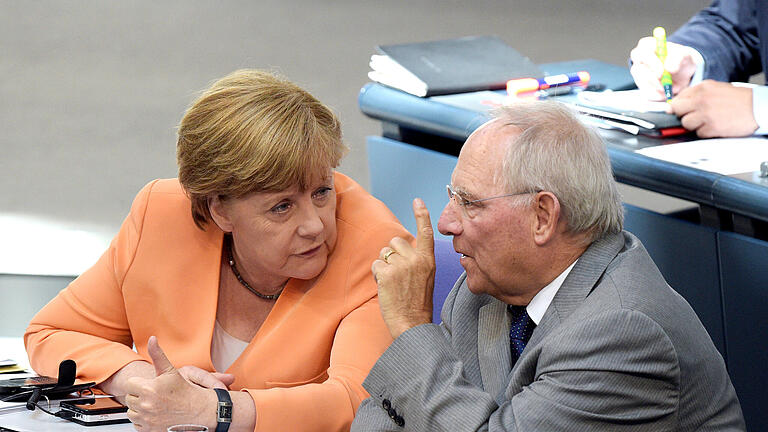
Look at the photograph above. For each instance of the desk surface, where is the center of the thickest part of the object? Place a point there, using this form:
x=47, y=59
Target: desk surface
x=745, y=194
x=36, y=421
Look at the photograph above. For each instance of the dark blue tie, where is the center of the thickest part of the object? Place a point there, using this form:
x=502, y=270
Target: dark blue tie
x=520, y=331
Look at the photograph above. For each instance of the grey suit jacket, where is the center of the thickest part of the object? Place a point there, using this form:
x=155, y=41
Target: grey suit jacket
x=617, y=350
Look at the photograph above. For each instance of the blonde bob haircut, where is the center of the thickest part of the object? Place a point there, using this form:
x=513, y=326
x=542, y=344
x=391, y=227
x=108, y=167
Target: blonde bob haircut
x=253, y=131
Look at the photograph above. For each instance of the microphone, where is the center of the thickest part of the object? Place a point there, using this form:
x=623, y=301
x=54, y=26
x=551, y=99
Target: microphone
x=64, y=384
x=67, y=373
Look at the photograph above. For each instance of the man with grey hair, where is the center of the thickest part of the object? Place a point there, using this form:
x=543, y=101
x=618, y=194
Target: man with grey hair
x=561, y=320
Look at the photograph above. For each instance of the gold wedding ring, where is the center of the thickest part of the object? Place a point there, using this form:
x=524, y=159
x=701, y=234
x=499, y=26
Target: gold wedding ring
x=387, y=255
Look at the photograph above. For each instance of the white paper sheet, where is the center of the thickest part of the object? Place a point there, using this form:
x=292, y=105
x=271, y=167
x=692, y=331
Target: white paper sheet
x=480, y=101
x=627, y=100
x=726, y=156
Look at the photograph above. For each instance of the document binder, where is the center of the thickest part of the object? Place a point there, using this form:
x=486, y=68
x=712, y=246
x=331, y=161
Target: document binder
x=450, y=66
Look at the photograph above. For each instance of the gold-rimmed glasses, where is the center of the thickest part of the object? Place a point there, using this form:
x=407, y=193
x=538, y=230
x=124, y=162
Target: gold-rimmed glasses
x=470, y=207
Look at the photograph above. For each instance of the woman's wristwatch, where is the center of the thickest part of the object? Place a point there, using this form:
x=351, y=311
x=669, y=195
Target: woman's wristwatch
x=223, y=410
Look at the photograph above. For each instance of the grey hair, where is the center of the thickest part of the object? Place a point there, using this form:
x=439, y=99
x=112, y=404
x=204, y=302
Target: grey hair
x=555, y=152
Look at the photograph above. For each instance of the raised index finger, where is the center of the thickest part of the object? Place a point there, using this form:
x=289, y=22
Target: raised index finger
x=425, y=237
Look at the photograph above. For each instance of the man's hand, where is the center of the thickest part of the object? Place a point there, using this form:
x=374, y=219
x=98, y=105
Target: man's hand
x=168, y=399
x=647, y=68
x=716, y=109
x=406, y=276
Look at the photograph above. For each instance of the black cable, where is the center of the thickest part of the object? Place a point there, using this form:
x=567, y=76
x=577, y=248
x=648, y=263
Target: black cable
x=64, y=414
x=32, y=401
x=16, y=395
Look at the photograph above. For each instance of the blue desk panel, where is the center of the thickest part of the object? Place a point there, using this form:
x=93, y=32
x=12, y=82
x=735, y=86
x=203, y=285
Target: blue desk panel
x=686, y=255
x=400, y=172
x=385, y=103
x=744, y=272
x=742, y=197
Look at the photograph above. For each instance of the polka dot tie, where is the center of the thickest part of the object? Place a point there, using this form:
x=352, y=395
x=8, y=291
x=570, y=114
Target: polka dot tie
x=520, y=331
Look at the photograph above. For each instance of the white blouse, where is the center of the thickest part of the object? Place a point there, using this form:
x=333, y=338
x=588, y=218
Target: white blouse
x=225, y=348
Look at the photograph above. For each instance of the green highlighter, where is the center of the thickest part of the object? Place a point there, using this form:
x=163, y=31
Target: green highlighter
x=661, y=52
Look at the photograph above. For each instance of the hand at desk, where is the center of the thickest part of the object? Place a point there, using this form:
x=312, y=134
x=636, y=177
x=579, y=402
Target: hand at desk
x=169, y=398
x=716, y=109
x=647, y=68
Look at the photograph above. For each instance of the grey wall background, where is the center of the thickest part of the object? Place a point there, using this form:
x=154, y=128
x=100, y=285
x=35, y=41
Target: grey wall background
x=91, y=91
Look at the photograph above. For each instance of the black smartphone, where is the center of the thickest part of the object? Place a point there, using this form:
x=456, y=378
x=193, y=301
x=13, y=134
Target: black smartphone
x=95, y=412
x=15, y=385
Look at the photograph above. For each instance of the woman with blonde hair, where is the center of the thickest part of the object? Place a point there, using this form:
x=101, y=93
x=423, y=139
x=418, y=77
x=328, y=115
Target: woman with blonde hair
x=252, y=270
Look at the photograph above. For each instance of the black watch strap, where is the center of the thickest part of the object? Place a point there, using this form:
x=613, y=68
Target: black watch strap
x=223, y=410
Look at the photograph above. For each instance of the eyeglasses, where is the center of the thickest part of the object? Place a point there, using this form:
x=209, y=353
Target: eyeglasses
x=469, y=207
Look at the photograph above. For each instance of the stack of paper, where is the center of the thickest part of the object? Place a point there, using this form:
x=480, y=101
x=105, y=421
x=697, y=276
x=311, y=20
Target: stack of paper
x=10, y=366
x=629, y=111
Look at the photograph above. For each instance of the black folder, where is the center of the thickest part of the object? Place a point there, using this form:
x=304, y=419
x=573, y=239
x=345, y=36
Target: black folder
x=451, y=66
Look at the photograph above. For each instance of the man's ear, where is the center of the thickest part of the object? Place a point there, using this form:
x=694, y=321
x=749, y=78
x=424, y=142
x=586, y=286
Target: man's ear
x=219, y=213
x=546, y=209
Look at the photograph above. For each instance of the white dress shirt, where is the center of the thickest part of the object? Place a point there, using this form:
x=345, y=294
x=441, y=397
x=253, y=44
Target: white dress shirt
x=540, y=303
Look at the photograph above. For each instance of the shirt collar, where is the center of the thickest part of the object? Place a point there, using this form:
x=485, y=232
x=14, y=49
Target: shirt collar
x=540, y=302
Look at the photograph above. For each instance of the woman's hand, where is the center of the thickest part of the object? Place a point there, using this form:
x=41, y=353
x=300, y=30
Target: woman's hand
x=115, y=385
x=168, y=399
x=209, y=380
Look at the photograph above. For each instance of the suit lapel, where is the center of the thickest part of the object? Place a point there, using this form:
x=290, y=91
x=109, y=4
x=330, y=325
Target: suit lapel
x=493, y=320
x=493, y=345
x=578, y=284
x=576, y=287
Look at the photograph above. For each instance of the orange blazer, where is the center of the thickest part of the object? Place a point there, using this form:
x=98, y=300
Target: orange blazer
x=160, y=276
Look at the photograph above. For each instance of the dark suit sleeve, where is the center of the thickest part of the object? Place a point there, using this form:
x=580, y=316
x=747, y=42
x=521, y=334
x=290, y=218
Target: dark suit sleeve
x=617, y=370
x=726, y=35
